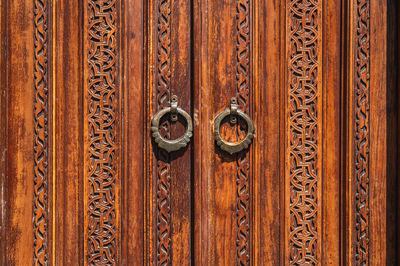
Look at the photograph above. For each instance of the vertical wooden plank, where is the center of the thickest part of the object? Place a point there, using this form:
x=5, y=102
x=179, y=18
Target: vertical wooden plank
x=170, y=57
x=3, y=130
x=368, y=133
x=303, y=182
x=348, y=150
x=181, y=168
x=19, y=179
x=20, y=35
x=378, y=131
x=203, y=143
x=20, y=166
x=222, y=181
x=150, y=162
x=393, y=140
x=67, y=149
x=102, y=131
x=133, y=115
x=268, y=177
x=222, y=71
x=331, y=142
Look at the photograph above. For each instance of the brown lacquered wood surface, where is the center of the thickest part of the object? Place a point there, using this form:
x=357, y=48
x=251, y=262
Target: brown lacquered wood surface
x=133, y=102
x=83, y=182
x=18, y=187
x=67, y=126
x=379, y=145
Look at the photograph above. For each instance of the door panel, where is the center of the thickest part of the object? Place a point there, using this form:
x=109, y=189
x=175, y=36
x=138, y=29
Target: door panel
x=84, y=183
x=170, y=64
x=226, y=73
x=65, y=70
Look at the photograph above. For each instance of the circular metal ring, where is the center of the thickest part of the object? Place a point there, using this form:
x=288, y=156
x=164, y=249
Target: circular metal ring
x=166, y=144
x=233, y=147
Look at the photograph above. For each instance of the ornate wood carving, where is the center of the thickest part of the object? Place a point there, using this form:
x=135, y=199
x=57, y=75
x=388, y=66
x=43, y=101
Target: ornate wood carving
x=163, y=80
x=102, y=106
x=361, y=128
x=243, y=91
x=303, y=123
x=41, y=133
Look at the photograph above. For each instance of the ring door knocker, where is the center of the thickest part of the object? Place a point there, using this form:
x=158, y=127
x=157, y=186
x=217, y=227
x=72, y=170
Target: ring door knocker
x=174, y=110
x=234, y=112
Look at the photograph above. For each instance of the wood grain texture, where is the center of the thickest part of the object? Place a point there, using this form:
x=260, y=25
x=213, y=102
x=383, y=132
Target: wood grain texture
x=169, y=187
x=222, y=183
x=67, y=79
x=203, y=143
x=332, y=178
x=82, y=182
x=19, y=178
x=378, y=134
x=3, y=130
x=217, y=85
x=181, y=164
x=393, y=129
x=132, y=104
x=368, y=158
x=268, y=87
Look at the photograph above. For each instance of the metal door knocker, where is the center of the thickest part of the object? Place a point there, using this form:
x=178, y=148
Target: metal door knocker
x=234, y=112
x=174, y=110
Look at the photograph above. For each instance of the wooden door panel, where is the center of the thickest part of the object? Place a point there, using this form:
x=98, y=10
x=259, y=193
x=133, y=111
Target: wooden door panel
x=169, y=179
x=285, y=190
x=133, y=199
x=84, y=183
x=225, y=73
x=65, y=70
x=19, y=139
x=268, y=145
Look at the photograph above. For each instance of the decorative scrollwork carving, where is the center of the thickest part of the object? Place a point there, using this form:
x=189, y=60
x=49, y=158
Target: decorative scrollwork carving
x=41, y=131
x=303, y=30
x=102, y=104
x=163, y=75
x=362, y=131
x=243, y=165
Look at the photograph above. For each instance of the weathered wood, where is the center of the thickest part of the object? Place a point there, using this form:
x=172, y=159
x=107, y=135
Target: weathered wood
x=19, y=154
x=83, y=183
x=67, y=77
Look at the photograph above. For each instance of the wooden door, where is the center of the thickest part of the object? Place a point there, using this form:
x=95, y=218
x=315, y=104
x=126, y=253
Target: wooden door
x=85, y=183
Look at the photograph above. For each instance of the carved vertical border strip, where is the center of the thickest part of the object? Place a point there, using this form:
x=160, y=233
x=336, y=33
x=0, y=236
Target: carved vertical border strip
x=243, y=164
x=40, y=219
x=102, y=105
x=303, y=129
x=163, y=81
x=361, y=130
